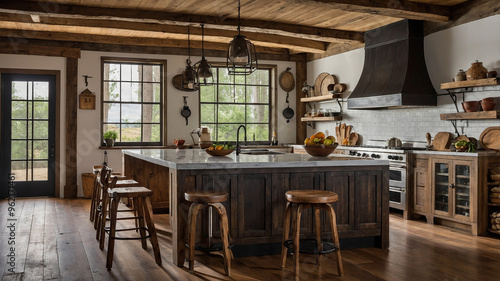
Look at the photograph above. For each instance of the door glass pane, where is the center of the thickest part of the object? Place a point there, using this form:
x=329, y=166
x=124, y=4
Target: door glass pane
x=19, y=90
x=40, y=110
x=41, y=91
x=40, y=170
x=19, y=169
x=462, y=190
x=441, y=187
x=40, y=129
x=19, y=129
x=18, y=150
x=40, y=149
x=19, y=109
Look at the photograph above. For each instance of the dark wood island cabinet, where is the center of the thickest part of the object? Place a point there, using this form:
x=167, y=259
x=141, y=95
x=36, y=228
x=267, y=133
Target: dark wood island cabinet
x=256, y=185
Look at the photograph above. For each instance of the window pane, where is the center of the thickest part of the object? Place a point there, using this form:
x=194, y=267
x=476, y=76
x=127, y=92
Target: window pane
x=261, y=132
x=207, y=94
x=18, y=150
x=151, y=73
x=112, y=71
x=19, y=169
x=40, y=149
x=30, y=129
x=257, y=114
x=208, y=113
x=226, y=93
x=151, y=133
x=151, y=113
x=258, y=94
x=112, y=127
x=19, y=90
x=19, y=109
x=111, y=91
x=41, y=129
x=148, y=92
x=40, y=170
x=126, y=72
x=240, y=94
x=41, y=110
x=131, y=133
x=41, y=91
x=111, y=112
x=227, y=132
x=136, y=72
x=258, y=77
x=131, y=113
x=224, y=76
x=19, y=129
x=130, y=92
x=230, y=113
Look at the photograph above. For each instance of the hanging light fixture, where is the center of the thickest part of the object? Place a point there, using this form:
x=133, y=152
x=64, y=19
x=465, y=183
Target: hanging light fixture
x=241, y=54
x=189, y=76
x=203, y=67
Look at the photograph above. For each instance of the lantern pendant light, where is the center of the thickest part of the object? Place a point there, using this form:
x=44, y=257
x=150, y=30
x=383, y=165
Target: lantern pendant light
x=241, y=54
x=203, y=67
x=189, y=78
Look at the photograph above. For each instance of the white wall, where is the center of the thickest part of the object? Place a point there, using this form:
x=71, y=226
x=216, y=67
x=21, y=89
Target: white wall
x=45, y=63
x=445, y=52
x=89, y=120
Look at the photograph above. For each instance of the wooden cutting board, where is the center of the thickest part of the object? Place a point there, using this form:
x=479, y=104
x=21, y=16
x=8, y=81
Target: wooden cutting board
x=342, y=132
x=442, y=141
x=490, y=138
x=317, y=83
x=327, y=81
x=353, y=138
x=337, y=134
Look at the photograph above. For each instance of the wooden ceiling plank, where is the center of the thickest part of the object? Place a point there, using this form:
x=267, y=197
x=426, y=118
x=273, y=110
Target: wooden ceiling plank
x=268, y=27
x=37, y=50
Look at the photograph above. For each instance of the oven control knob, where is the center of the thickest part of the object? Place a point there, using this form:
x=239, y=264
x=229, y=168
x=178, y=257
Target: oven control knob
x=364, y=155
x=358, y=154
x=389, y=157
x=373, y=155
x=400, y=157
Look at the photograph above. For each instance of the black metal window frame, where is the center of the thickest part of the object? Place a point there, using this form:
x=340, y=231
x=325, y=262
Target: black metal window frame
x=215, y=69
x=161, y=103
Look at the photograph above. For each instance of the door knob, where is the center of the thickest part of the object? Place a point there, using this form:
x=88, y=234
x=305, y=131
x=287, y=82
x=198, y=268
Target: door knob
x=452, y=185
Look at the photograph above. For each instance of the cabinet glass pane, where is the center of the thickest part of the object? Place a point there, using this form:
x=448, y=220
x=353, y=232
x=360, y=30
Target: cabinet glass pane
x=441, y=178
x=462, y=190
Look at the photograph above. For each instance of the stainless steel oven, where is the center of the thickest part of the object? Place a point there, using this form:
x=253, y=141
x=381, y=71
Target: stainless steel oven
x=397, y=197
x=397, y=175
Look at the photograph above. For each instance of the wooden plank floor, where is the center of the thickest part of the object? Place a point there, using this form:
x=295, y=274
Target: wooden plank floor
x=56, y=241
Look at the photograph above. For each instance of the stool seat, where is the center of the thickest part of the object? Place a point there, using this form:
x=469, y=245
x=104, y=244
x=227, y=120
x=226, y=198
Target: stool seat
x=311, y=196
x=127, y=183
x=131, y=191
x=206, y=197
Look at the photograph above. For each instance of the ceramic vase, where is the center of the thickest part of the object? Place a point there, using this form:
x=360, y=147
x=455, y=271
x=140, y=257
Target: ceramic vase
x=476, y=71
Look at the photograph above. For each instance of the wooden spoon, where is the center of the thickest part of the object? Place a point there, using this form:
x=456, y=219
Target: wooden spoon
x=337, y=134
x=342, y=132
x=348, y=131
x=428, y=137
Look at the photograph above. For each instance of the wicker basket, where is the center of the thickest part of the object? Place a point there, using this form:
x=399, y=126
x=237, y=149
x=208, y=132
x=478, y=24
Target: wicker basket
x=88, y=184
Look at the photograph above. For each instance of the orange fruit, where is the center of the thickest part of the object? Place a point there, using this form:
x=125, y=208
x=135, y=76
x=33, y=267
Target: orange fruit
x=306, y=140
x=319, y=135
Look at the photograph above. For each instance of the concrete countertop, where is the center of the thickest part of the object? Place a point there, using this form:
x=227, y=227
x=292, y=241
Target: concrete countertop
x=456, y=153
x=194, y=159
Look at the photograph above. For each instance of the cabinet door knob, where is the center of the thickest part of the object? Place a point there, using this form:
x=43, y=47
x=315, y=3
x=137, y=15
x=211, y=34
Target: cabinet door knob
x=452, y=185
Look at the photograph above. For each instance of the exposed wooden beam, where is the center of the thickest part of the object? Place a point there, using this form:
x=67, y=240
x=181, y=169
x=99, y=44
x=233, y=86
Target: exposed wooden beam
x=148, y=30
x=106, y=39
x=211, y=22
x=335, y=49
x=19, y=47
x=391, y=8
x=464, y=13
x=70, y=188
x=101, y=47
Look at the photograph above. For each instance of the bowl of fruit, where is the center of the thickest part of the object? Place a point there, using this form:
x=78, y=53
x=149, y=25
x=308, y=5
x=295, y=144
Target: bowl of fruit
x=220, y=150
x=465, y=146
x=320, y=146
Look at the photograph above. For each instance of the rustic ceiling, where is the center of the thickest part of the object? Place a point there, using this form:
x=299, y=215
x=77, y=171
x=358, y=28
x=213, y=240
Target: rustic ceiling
x=279, y=27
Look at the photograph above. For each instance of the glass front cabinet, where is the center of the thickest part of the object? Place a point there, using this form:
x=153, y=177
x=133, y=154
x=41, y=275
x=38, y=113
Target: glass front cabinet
x=451, y=184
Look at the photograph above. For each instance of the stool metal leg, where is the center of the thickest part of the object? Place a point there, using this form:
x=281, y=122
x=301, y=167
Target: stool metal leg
x=286, y=231
x=335, y=237
x=148, y=215
x=112, y=233
x=193, y=212
x=224, y=231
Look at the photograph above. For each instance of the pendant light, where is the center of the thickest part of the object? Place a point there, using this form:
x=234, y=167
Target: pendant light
x=203, y=67
x=241, y=54
x=189, y=76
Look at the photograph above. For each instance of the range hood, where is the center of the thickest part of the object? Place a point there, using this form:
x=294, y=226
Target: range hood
x=394, y=74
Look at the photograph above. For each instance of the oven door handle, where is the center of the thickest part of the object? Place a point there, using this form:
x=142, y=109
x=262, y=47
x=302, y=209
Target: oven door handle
x=401, y=167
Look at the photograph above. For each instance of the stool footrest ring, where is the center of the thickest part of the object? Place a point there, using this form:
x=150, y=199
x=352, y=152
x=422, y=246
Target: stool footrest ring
x=213, y=248
x=128, y=229
x=310, y=246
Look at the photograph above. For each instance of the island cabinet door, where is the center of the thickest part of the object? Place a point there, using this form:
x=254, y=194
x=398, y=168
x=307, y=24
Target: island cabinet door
x=254, y=210
x=367, y=201
x=217, y=183
x=341, y=183
x=280, y=185
x=309, y=180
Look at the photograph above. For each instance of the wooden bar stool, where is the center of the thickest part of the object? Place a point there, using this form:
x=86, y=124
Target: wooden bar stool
x=298, y=200
x=140, y=196
x=199, y=201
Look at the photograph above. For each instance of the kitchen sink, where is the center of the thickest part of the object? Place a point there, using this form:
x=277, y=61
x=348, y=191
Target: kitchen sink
x=259, y=152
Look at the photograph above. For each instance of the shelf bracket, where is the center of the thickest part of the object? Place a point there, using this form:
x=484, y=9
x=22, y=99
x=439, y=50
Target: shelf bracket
x=340, y=105
x=311, y=124
x=454, y=123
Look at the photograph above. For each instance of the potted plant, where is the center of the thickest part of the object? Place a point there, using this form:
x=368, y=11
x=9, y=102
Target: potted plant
x=110, y=137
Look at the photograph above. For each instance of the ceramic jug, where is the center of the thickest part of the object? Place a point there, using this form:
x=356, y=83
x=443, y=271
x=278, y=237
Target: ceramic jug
x=476, y=71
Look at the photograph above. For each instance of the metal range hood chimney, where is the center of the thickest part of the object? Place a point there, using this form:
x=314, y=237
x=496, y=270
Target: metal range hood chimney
x=394, y=74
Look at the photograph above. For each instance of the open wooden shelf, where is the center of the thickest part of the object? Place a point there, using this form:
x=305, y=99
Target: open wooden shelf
x=330, y=118
x=470, y=83
x=322, y=98
x=492, y=114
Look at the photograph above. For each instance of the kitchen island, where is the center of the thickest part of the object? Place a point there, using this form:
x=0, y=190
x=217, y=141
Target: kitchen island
x=256, y=185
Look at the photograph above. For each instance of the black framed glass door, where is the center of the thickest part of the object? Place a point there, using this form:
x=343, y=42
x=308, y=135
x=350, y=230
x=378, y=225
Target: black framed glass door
x=28, y=133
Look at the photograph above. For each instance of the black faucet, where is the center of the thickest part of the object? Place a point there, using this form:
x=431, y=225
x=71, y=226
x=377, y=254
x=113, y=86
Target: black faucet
x=238, y=148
